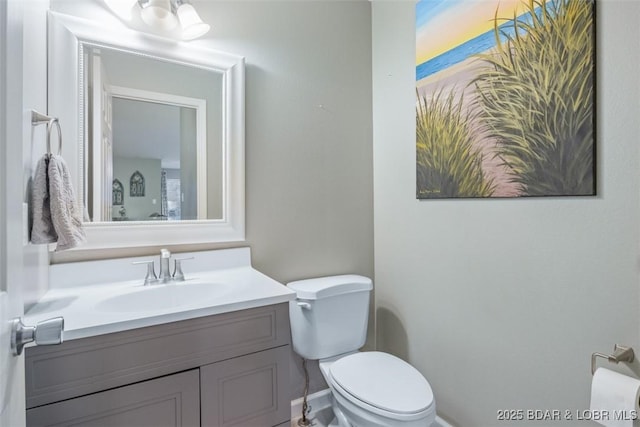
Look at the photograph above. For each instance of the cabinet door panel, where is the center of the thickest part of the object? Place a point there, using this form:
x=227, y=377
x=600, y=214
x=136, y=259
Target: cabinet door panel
x=247, y=391
x=171, y=401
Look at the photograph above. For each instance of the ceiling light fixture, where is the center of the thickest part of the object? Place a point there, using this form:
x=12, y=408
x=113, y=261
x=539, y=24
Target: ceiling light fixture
x=163, y=15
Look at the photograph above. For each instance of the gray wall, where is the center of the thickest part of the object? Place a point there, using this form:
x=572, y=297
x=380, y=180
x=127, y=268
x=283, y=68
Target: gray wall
x=309, y=153
x=309, y=195
x=500, y=303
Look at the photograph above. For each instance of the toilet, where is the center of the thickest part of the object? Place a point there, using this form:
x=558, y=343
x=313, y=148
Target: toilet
x=329, y=323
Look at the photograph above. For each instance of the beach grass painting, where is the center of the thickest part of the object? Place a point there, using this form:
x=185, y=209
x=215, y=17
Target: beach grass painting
x=505, y=95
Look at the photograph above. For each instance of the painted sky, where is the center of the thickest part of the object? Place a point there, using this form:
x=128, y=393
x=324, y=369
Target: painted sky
x=444, y=24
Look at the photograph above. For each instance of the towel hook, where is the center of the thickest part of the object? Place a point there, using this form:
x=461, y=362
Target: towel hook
x=38, y=119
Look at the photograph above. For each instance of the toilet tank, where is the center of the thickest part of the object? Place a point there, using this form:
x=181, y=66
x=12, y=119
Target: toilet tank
x=329, y=315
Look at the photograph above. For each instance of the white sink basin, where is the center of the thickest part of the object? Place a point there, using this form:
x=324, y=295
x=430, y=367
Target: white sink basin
x=159, y=297
x=107, y=296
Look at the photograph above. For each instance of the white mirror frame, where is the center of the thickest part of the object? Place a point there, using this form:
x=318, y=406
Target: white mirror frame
x=66, y=101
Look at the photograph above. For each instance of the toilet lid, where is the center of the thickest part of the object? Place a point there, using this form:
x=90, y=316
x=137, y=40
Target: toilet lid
x=384, y=381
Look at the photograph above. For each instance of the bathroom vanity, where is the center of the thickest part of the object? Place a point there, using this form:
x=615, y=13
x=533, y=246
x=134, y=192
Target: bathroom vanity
x=217, y=362
x=213, y=350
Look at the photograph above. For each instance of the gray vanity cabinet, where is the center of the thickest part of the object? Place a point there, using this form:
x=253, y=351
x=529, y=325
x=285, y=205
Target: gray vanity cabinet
x=244, y=391
x=171, y=401
x=229, y=369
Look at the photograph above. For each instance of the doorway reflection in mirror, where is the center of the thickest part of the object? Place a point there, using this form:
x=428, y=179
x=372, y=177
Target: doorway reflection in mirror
x=143, y=124
x=160, y=169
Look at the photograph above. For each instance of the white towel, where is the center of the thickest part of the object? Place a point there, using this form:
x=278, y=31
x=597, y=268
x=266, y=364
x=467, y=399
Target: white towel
x=42, y=230
x=55, y=214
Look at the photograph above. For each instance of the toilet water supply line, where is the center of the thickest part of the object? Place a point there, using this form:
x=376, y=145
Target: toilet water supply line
x=304, y=422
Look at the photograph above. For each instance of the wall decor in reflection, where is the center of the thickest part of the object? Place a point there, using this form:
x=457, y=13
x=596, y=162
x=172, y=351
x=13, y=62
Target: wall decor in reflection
x=117, y=193
x=136, y=185
x=505, y=98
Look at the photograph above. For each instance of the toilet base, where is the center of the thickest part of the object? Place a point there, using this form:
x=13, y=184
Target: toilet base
x=339, y=419
x=322, y=414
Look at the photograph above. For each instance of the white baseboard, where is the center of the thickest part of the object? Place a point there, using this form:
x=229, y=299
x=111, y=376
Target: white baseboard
x=442, y=423
x=316, y=402
x=322, y=399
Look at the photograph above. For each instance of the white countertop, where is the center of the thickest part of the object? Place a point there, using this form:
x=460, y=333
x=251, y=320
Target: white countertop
x=97, y=309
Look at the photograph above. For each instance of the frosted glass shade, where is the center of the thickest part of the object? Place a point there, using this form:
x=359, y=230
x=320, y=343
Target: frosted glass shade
x=157, y=14
x=192, y=25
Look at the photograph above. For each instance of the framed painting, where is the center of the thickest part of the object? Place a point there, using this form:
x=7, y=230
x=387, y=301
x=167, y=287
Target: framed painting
x=117, y=193
x=136, y=185
x=505, y=98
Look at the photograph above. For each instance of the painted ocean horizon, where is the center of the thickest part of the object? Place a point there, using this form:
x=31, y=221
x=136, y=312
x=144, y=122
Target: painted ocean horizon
x=476, y=45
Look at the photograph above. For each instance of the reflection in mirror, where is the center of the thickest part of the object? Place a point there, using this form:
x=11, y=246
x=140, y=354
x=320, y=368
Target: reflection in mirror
x=144, y=119
x=125, y=96
x=165, y=163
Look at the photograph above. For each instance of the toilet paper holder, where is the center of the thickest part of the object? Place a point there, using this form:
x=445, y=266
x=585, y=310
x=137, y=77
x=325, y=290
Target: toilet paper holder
x=620, y=354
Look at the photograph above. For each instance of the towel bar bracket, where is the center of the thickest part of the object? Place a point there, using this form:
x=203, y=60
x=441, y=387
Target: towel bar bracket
x=38, y=119
x=620, y=354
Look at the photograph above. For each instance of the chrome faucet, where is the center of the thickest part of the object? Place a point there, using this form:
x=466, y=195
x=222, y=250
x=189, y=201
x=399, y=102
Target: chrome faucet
x=165, y=274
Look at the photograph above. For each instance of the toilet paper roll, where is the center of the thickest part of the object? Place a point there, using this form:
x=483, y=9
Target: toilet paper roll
x=614, y=398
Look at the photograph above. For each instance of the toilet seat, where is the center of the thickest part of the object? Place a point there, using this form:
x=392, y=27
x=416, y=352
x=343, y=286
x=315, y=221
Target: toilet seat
x=382, y=383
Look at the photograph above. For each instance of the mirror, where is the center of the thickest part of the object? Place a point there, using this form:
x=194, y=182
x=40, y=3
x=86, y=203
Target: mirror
x=154, y=134
x=160, y=119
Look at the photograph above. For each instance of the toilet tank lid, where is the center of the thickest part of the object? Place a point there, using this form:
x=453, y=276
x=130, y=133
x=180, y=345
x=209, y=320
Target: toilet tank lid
x=323, y=287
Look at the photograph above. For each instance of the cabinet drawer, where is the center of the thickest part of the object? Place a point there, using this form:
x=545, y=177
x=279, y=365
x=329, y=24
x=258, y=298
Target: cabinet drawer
x=171, y=401
x=248, y=391
x=89, y=365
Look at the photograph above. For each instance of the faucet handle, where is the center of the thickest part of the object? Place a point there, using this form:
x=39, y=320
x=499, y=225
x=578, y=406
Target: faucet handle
x=151, y=272
x=177, y=270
